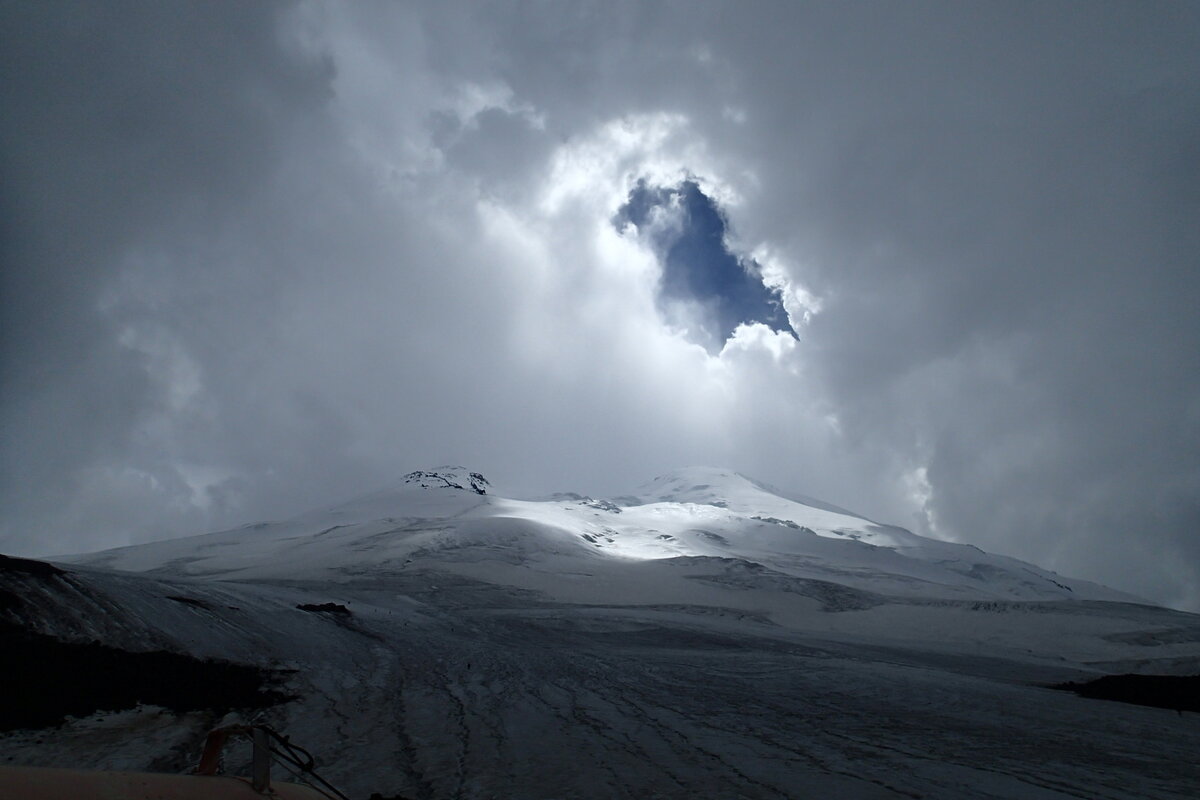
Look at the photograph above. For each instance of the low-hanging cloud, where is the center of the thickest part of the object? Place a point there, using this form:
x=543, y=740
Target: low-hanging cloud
x=261, y=257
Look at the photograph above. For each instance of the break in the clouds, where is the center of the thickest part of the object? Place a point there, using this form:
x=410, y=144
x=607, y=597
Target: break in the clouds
x=704, y=289
x=936, y=263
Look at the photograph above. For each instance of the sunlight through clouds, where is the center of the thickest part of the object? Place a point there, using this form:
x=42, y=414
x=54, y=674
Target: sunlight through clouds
x=272, y=253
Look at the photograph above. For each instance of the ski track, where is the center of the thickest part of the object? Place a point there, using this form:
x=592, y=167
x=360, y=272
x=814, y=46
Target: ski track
x=461, y=704
x=588, y=723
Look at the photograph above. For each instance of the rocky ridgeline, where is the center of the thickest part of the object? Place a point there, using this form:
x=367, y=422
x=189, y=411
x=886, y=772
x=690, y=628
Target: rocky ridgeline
x=449, y=478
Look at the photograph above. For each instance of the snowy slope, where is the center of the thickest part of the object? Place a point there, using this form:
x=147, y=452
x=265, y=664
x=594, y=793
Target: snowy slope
x=702, y=635
x=445, y=515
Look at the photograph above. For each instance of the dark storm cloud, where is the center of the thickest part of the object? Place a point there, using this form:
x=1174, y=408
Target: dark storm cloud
x=122, y=122
x=718, y=290
x=257, y=257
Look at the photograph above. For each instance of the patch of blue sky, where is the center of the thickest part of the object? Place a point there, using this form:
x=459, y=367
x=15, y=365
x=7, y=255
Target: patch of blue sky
x=688, y=231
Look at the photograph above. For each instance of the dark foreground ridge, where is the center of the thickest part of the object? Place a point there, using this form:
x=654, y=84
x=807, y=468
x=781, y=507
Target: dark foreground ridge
x=47, y=680
x=1176, y=692
x=24, y=568
x=27, y=566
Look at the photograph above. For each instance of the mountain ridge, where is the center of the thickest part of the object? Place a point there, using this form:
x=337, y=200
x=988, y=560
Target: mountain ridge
x=696, y=511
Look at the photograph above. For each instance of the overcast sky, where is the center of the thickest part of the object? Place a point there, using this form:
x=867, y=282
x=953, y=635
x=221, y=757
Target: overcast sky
x=260, y=257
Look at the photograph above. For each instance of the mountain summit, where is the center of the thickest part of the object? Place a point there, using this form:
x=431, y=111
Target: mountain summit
x=449, y=478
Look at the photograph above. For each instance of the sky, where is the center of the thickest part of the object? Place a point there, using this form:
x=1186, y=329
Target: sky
x=933, y=262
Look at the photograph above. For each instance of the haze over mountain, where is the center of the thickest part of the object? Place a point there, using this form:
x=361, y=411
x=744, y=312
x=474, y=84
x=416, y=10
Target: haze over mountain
x=702, y=633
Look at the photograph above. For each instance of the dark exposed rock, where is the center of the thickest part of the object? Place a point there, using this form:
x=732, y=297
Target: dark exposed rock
x=332, y=608
x=787, y=523
x=9, y=601
x=27, y=566
x=190, y=601
x=449, y=478
x=47, y=680
x=1176, y=692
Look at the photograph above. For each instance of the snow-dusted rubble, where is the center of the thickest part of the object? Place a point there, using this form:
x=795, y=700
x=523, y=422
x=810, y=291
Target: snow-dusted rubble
x=704, y=635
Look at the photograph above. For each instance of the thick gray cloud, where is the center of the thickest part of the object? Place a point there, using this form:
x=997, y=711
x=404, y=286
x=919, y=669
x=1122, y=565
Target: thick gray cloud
x=259, y=257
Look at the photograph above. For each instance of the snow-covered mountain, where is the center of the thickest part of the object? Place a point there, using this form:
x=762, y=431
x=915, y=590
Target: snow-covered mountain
x=703, y=633
x=445, y=517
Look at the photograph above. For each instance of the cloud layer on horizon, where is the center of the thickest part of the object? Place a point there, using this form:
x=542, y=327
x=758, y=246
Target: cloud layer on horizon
x=262, y=257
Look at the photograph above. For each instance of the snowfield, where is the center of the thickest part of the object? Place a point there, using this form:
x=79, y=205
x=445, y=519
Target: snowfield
x=703, y=636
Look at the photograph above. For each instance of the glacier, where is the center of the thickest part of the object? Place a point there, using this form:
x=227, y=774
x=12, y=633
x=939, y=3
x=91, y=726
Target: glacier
x=703, y=634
